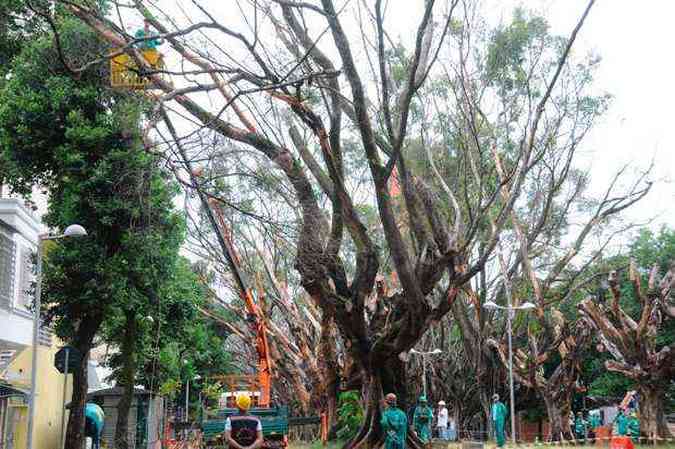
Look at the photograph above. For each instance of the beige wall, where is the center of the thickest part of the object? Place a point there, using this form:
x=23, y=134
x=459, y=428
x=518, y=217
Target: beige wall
x=49, y=401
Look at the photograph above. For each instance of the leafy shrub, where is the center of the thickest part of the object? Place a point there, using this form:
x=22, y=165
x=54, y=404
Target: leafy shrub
x=350, y=414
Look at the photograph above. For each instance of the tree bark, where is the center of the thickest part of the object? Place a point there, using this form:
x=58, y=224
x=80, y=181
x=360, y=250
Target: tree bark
x=652, y=416
x=558, y=416
x=82, y=341
x=389, y=377
x=127, y=382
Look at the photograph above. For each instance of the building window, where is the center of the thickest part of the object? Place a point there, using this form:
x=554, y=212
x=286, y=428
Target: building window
x=26, y=279
x=6, y=271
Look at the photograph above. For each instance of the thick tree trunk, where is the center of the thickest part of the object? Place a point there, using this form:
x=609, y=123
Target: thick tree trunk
x=82, y=341
x=652, y=417
x=127, y=381
x=385, y=378
x=558, y=417
x=75, y=432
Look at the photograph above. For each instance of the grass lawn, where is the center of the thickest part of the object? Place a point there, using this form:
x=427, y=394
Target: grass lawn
x=488, y=445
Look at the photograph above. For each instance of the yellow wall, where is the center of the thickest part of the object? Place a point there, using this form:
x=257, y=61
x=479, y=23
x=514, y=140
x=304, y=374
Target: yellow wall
x=49, y=402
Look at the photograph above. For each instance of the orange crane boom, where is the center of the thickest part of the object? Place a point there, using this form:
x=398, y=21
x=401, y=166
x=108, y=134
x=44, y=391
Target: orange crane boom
x=255, y=316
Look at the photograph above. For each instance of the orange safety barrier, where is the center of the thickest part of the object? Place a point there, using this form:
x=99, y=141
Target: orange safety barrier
x=621, y=442
x=181, y=444
x=324, y=428
x=603, y=434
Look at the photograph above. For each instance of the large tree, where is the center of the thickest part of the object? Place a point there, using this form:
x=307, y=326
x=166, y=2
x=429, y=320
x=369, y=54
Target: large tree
x=80, y=142
x=341, y=141
x=636, y=333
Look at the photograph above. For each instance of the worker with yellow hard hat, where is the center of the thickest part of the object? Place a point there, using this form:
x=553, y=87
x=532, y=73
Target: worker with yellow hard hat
x=243, y=430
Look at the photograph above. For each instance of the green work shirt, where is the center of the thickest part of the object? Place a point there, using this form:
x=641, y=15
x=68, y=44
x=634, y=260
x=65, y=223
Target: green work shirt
x=422, y=421
x=580, y=426
x=621, y=425
x=634, y=428
x=395, y=427
x=499, y=417
x=594, y=419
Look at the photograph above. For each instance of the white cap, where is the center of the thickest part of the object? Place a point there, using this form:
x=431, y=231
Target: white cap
x=441, y=403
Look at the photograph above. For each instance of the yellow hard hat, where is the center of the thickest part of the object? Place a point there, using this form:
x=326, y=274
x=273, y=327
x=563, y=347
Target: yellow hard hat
x=243, y=402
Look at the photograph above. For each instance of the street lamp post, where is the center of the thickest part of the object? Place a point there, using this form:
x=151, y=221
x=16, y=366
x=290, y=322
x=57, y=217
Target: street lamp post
x=509, y=317
x=424, y=365
x=186, y=418
x=74, y=231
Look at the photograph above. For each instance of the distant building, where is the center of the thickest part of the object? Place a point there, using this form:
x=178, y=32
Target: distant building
x=19, y=230
x=146, y=416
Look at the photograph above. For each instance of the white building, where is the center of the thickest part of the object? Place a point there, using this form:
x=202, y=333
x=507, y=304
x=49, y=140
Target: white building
x=20, y=228
x=19, y=231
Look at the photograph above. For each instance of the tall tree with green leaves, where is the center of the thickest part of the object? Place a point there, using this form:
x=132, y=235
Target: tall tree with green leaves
x=69, y=133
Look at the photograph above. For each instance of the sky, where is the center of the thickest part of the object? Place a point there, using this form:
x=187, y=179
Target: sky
x=635, y=41
x=636, y=46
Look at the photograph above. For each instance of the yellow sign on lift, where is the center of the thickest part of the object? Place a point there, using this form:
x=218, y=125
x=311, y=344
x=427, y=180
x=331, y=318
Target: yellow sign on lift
x=124, y=71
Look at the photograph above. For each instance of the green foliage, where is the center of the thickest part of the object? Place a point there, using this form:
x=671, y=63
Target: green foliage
x=80, y=142
x=17, y=24
x=350, y=414
x=170, y=388
x=508, y=50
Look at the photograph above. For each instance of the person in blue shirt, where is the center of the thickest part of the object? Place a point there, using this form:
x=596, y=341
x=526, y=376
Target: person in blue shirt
x=94, y=418
x=620, y=427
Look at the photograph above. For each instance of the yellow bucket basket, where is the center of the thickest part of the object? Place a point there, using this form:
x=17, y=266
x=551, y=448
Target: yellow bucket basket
x=124, y=71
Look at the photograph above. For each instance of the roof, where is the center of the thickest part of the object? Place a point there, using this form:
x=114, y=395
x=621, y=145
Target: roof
x=115, y=391
x=10, y=390
x=118, y=391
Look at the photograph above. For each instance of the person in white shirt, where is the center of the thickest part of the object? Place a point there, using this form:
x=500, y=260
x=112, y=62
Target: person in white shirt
x=442, y=421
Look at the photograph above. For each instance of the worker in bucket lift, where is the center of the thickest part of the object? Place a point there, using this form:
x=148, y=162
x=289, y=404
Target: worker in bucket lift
x=243, y=431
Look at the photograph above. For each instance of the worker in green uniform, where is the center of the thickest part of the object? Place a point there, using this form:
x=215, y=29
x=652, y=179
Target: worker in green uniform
x=394, y=424
x=634, y=427
x=620, y=427
x=422, y=420
x=146, y=42
x=580, y=427
x=499, y=419
x=594, y=419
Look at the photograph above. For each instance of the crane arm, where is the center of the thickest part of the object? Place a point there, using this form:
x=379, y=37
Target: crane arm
x=255, y=315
